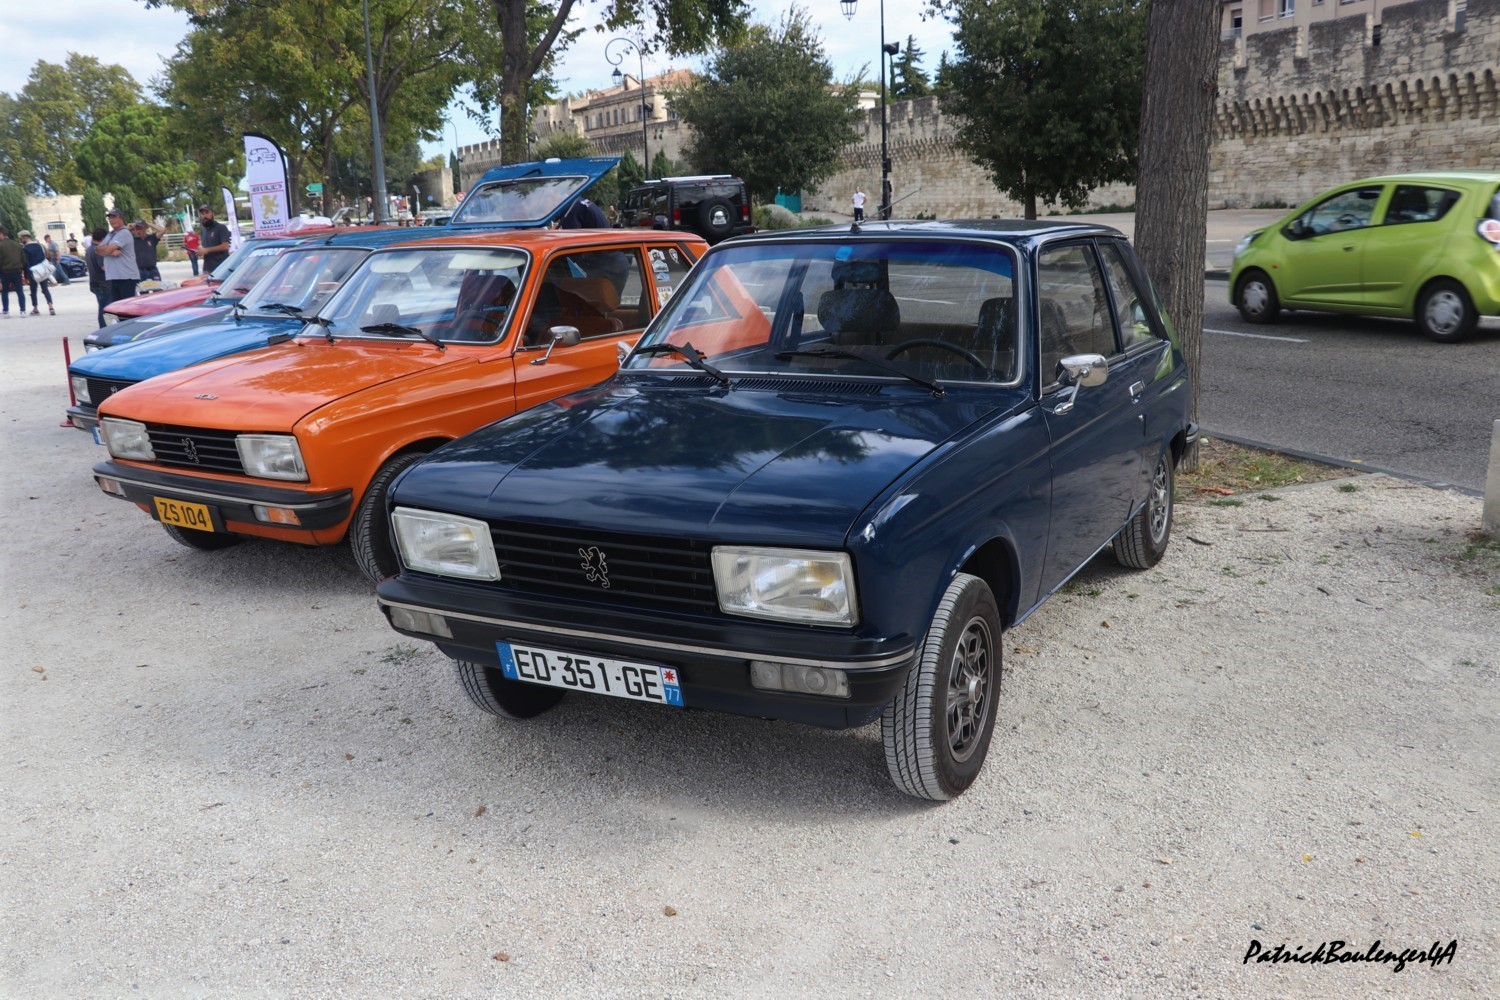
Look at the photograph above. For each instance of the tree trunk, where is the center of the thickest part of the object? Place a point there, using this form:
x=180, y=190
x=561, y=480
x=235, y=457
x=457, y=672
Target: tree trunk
x=1171, y=201
x=519, y=63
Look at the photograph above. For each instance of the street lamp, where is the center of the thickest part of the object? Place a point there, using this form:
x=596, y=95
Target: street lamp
x=619, y=78
x=847, y=6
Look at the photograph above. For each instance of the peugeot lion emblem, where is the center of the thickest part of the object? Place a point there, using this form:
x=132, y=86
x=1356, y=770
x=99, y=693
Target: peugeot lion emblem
x=190, y=450
x=594, y=568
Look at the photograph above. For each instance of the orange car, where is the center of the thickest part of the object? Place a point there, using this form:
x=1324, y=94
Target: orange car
x=424, y=342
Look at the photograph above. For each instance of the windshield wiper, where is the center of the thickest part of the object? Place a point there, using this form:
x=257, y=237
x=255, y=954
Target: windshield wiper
x=402, y=328
x=281, y=307
x=238, y=311
x=870, y=359
x=688, y=353
x=325, y=323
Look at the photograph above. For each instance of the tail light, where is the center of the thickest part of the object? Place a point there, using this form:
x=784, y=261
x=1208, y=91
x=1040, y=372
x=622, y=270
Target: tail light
x=676, y=216
x=745, y=212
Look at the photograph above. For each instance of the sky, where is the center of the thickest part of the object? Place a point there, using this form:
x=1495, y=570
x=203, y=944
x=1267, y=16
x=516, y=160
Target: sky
x=126, y=33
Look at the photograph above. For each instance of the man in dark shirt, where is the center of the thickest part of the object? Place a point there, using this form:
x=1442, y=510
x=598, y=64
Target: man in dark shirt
x=147, y=235
x=584, y=215
x=97, y=283
x=215, y=237
x=12, y=264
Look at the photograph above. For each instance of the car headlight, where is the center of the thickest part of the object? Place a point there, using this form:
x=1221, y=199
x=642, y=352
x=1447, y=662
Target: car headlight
x=80, y=388
x=271, y=456
x=1245, y=241
x=445, y=544
x=127, y=439
x=793, y=585
x=110, y=319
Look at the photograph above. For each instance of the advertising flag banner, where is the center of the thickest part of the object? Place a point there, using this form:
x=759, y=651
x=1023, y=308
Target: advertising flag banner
x=265, y=173
x=231, y=219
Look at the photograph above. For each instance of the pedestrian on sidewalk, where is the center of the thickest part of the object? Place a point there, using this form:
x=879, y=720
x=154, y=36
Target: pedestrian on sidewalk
x=54, y=257
x=859, y=205
x=12, y=263
x=191, y=243
x=146, y=235
x=72, y=244
x=98, y=284
x=36, y=254
x=118, y=251
x=215, y=245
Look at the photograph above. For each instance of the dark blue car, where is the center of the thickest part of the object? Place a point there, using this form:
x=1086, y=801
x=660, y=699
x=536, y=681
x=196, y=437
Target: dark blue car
x=835, y=468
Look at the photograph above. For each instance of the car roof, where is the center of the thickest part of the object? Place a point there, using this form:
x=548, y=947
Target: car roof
x=1005, y=230
x=1451, y=176
x=543, y=240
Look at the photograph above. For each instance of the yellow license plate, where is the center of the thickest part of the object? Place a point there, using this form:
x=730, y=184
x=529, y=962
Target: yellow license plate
x=184, y=514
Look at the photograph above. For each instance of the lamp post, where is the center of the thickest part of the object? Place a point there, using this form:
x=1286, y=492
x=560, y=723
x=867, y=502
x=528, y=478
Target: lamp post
x=886, y=51
x=379, y=144
x=458, y=161
x=619, y=78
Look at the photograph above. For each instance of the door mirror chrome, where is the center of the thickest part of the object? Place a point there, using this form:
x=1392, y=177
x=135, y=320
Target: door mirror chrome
x=567, y=336
x=1076, y=371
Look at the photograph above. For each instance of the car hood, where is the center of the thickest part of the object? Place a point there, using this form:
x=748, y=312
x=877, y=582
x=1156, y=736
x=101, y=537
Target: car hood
x=274, y=387
x=153, y=355
x=789, y=467
x=157, y=302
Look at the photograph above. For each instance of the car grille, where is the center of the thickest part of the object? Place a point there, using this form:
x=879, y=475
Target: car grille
x=195, y=448
x=101, y=389
x=672, y=573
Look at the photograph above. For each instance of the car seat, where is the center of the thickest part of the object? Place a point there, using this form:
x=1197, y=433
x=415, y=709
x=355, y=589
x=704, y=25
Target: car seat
x=484, y=299
x=859, y=308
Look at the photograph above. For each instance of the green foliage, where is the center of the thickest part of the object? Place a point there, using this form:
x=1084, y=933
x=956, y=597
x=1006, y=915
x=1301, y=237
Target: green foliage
x=768, y=110
x=126, y=148
x=126, y=201
x=662, y=165
x=907, y=79
x=562, y=144
x=630, y=172
x=1047, y=93
x=942, y=80
x=41, y=127
x=13, y=213
x=92, y=209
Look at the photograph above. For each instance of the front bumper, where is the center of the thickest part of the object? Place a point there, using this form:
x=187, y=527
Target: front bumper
x=712, y=657
x=83, y=416
x=234, y=501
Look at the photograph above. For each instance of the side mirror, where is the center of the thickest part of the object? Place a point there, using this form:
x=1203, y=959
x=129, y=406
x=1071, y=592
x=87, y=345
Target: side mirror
x=567, y=336
x=1077, y=371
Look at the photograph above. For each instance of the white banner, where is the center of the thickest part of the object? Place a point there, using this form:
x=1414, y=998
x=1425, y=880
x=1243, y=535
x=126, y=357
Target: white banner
x=265, y=174
x=231, y=219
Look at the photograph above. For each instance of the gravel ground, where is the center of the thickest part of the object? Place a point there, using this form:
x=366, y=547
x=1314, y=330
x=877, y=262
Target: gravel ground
x=225, y=776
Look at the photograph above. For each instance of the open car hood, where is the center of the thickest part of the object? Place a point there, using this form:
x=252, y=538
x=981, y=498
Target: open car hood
x=518, y=195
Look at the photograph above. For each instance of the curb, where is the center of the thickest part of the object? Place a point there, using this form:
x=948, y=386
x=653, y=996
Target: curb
x=1341, y=463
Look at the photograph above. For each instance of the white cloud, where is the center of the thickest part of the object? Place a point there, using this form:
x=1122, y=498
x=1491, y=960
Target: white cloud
x=114, y=31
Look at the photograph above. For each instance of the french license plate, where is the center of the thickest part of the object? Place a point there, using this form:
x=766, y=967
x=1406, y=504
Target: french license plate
x=98, y=438
x=198, y=516
x=555, y=668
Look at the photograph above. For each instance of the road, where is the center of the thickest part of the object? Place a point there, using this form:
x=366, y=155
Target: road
x=1358, y=389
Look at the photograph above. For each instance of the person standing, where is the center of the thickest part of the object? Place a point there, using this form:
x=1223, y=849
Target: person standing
x=12, y=263
x=859, y=205
x=54, y=257
x=35, y=254
x=191, y=243
x=118, y=251
x=215, y=241
x=146, y=235
x=72, y=244
x=97, y=282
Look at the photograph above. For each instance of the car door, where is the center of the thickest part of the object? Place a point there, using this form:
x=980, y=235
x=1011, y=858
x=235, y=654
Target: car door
x=1096, y=440
x=605, y=295
x=1322, y=255
x=1414, y=230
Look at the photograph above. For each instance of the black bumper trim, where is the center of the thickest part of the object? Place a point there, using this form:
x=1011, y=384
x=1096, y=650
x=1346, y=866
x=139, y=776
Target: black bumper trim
x=83, y=419
x=234, y=500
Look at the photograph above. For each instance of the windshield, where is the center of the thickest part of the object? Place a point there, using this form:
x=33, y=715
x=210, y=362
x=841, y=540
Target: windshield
x=527, y=199
x=252, y=267
x=300, y=281
x=932, y=309
x=235, y=259
x=452, y=294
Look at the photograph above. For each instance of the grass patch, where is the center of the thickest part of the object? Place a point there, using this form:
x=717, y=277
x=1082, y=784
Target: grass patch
x=1226, y=469
x=1226, y=502
x=400, y=653
x=1347, y=488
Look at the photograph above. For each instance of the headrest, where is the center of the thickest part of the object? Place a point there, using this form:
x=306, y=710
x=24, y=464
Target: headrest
x=858, y=310
x=994, y=318
x=480, y=289
x=598, y=292
x=857, y=272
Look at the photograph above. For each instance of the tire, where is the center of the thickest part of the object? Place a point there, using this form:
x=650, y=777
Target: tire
x=956, y=679
x=206, y=541
x=1142, y=542
x=490, y=691
x=369, y=531
x=1255, y=298
x=716, y=219
x=1445, y=312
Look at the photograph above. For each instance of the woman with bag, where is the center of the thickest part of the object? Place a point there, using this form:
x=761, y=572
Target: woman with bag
x=38, y=272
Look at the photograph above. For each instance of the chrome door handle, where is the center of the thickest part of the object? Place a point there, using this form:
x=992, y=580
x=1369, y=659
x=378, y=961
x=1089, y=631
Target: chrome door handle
x=1136, y=389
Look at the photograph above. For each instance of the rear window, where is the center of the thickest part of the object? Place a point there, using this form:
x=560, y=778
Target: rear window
x=1495, y=205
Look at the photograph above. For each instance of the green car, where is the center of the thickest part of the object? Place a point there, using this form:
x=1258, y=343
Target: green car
x=1421, y=245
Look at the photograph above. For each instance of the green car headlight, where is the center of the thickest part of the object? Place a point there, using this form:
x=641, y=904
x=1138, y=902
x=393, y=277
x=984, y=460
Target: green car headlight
x=445, y=544
x=792, y=585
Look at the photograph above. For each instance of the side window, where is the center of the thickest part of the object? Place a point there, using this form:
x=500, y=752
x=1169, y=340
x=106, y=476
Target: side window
x=659, y=203
x=601, y=292
x=1130, y=315
x=669, y=266
x=1410, y=203
x=1072, y=306
x=1345, y=210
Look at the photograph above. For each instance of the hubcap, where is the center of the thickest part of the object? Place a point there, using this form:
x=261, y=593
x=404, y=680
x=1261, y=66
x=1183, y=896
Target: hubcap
x=1160, y=503
x=1254, y=296
x=969, y=680
x=1445, y=312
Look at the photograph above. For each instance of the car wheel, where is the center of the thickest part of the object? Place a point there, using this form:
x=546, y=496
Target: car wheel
x=1256, y=298
x=937, y=729
x=1142, y=542
x=1445, y=312
x=716, y=218
x=207, y=541
x=492, y=691
x=370, y=531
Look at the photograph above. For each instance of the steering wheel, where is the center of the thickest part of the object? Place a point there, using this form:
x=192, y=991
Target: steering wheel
x=967, y=355
x=1348, y=221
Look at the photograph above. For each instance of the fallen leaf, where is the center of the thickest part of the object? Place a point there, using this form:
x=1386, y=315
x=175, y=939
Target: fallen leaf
x=481, y=811
x=1359, y=860
x=1416, y=833
x=1106, y=624
x=1198, y=541
x=1415, y=892
x=348, y=756
x=1222, y=491
x=1145, y=885
x=1307, y=857
x=1164, y=861
x=1023, y=649
x=501, y=956
x=39, y=670
x=670, y=911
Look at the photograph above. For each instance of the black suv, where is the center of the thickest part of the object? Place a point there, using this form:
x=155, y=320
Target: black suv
x=715, y=207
